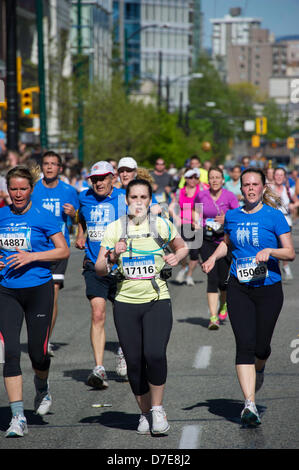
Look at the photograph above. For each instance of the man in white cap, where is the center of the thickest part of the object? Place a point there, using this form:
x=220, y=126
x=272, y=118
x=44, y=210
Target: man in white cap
x=100, y=205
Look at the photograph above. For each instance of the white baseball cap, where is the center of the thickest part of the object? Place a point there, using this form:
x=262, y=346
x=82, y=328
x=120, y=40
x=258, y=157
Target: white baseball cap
x=193, y=171
x=127, y=162
x=100, y=169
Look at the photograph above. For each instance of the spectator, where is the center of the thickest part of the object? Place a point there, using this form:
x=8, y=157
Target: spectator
x=162, y=181
x=234, y=184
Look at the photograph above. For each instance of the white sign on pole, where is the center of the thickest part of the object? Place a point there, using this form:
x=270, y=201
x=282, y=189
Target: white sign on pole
x=249, y=126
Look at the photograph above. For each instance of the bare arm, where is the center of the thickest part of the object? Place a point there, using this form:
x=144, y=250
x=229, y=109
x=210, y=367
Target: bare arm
x=220, y=252
x=21, y=258
x=285, y=253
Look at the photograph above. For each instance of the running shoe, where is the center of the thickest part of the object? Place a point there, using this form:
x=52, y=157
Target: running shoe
x=189, y=281
x=160, y=424
x=181, y=276
x=42, y=402
x=98, y=378
x=223, y=312
x=214, y=323
x=249, y=415
x=50, y=350
x=144, y=423
x=17, y=427
x=121, y=365
x=259, y=380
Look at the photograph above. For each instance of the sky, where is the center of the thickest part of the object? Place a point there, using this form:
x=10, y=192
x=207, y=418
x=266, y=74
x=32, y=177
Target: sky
x=281, y=17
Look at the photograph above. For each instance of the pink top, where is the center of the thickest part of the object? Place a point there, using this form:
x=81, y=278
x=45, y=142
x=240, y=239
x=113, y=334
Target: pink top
x=187, y=203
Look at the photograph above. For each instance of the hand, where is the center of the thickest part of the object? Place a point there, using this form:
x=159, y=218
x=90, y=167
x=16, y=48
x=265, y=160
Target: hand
x=69, y=209
x=220, y=218
x=2, y=264
x=263, y=255
x=171, y=259
x=80, y=243
x=120, y=247
x=208, y=265
x=19, y=259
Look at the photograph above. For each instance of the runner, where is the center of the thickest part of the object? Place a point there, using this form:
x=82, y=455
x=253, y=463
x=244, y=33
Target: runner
x=184, y=201
x=142, y=308
x=259, y=236
x=216, y=202
x=128, y=171
x=99, y=206
x=62, y=201
x=26, y=290
x=288, y=203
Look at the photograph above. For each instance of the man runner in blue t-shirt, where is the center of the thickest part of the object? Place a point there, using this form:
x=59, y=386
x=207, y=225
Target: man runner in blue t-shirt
x=99, y=206
x=62, y=201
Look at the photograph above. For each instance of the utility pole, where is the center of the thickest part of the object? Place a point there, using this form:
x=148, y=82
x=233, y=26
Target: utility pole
x=41, y=76
x=160, y=81
x=79, y=83
x=11, y=75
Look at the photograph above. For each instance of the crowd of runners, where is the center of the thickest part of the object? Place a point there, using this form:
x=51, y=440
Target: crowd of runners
x=134, y=226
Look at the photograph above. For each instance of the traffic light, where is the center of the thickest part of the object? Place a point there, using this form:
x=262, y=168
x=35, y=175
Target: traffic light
x=261, y=125
x=290, y=143
x=3, y=108
x=255, y=141
x=26, y=103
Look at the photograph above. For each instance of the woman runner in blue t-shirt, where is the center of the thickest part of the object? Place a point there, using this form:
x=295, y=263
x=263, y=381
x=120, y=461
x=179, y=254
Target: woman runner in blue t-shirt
x=26, y=290
x=259, y=236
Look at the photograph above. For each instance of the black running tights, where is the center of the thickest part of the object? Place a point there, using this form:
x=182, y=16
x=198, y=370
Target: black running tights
x=143, y=332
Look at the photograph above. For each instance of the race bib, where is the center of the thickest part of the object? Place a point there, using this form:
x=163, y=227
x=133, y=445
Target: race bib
x=248, y=270
x=16, y=238
x=212, y=224
x=96, y=232
x=139, y=267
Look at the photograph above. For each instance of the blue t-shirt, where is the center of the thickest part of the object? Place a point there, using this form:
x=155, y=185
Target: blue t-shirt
x=249, y=234
x=53, y=199
x=28, y=232
x=98, y=212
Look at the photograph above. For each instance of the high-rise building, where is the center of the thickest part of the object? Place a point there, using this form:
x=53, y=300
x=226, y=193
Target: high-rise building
x=232, y=30
x=156, y=43
x=256, y=61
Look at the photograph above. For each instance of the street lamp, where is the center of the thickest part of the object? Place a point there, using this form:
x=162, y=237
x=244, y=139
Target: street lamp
x=127, y=39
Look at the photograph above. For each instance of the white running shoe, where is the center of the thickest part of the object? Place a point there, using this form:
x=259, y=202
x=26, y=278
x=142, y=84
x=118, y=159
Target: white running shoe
x=249, y=415
x=42, y=403
x=98, y=378
x=160, y=424
x=121, y=365
x=189, y=281
x=181, y=276
x=17, y=427
x=50, y=350
x=144, y=424
x=288, y=276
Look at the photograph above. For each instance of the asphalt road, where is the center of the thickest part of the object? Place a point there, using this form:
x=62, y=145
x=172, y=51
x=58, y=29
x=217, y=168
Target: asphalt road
x=203, y=399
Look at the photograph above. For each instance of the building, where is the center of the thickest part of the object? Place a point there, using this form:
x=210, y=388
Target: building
x=256, y=61
x=95, y=19
x=232, y=30
x=156, y=43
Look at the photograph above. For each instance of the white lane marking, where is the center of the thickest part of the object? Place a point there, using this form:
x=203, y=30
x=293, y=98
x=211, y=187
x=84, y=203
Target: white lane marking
x=202, y=358
x=190, y=438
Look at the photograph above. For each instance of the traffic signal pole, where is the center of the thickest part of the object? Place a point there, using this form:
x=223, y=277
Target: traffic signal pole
x=41, y=76
x=11, y=74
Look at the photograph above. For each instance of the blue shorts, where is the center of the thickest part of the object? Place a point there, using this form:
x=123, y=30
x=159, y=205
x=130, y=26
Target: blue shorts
x=98, y=286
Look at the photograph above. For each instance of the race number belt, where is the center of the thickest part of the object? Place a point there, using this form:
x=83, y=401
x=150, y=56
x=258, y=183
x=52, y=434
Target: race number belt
x=248, y=270
x=96, y=232
x=139, y=267
x=17, y=237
